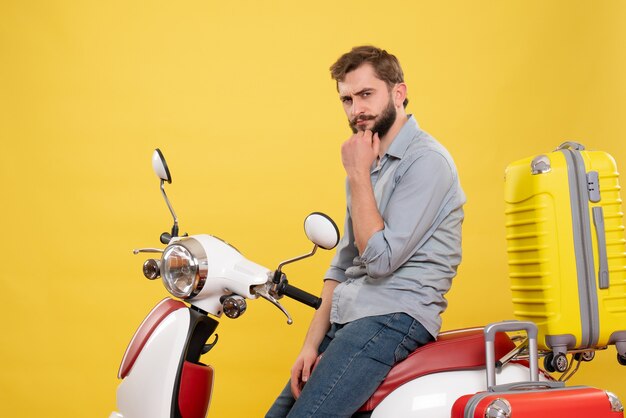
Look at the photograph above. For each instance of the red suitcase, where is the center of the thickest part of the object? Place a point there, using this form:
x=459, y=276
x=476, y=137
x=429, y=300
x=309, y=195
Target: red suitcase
x=533, y=398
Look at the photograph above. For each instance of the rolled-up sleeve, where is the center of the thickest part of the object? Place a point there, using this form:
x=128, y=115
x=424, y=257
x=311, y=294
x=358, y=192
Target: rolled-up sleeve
x=415, y=207
x=346, y=252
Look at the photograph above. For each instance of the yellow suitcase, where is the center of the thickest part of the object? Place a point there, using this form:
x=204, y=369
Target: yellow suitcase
x=567, y=252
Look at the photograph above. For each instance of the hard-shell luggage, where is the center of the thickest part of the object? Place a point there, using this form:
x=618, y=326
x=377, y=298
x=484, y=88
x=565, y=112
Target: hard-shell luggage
x=533, y=399
x=566, y=250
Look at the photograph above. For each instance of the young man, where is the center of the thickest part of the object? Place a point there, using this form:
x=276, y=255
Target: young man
x=384, y=292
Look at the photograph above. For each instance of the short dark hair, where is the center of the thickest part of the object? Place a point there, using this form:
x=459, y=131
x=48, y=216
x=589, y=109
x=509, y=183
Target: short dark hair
x=386, y=66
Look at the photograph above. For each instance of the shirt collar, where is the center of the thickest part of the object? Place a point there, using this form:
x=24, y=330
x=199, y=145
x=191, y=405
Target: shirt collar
x=402, y=141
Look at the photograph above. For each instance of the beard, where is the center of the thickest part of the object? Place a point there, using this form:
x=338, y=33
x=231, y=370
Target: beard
x=382, y=123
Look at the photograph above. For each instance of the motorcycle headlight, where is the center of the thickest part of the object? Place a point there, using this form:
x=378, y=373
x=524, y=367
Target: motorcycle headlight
x=184, y=268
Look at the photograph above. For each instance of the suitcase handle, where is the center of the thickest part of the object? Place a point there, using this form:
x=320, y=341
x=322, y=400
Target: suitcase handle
x=571, y=145
x=490, y=352
x=603, y=269
x=529, y=386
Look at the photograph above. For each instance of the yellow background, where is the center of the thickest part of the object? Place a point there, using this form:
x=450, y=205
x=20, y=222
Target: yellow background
x=238, y=96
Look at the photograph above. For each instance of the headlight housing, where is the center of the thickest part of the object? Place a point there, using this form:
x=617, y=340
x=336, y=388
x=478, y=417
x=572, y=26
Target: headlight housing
x=184, y=268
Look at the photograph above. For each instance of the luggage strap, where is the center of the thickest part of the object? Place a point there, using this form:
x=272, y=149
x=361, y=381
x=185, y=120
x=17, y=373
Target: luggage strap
x=603, y=269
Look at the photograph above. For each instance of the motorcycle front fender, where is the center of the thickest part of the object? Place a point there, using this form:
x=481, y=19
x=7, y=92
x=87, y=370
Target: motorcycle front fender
x=161, y=371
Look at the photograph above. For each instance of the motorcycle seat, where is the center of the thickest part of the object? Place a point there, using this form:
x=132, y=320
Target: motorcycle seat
x=462, y=349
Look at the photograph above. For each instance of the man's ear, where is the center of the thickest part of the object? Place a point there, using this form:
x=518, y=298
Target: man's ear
x=399, y=94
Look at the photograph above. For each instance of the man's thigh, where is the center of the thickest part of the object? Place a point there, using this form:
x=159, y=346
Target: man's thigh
x=355, y=362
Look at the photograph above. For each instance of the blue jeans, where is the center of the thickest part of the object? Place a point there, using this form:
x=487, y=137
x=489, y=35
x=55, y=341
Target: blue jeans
x=357, y=357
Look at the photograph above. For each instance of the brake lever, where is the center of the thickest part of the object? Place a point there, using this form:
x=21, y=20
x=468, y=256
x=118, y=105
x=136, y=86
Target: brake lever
x=147, y=250
x=264, y=292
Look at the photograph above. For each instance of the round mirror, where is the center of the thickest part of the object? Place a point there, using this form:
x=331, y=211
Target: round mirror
x=321, y=230
x=160, y=166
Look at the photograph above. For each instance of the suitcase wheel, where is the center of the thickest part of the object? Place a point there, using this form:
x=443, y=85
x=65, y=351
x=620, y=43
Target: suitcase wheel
x=621, y=359
x=555, y=363
x=585, y=356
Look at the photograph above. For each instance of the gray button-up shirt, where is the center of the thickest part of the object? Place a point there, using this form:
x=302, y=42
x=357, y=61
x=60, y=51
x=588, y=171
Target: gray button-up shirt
x=409, y=265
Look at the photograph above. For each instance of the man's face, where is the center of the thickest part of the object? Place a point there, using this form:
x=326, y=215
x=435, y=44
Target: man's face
x=367, y=101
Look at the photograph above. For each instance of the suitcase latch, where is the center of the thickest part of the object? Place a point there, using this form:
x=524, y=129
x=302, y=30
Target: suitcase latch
x=593, y=186
x=499, y=408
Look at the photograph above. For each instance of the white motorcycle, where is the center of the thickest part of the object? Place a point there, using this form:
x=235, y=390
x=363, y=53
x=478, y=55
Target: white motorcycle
x=161, y=372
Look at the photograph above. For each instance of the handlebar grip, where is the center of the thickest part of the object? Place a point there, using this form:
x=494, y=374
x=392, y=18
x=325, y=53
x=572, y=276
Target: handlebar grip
x=301, y=296
x=165, y=238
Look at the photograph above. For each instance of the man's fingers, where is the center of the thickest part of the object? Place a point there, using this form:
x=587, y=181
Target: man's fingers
x=376, y=143
x=306, y=371
x=296, y=372
x=300, y=374
x=295, y=390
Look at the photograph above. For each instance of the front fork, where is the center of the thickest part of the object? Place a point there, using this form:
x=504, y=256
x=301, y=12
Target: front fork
x=194, y=381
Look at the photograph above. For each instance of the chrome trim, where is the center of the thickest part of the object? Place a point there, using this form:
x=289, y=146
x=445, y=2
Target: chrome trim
x=616, y=404
x=234, y=306
x=514, y=353
x=199, y=261
x=147, y=250
x=291, y=260
x=152, y=269
x=197, y=251
x=264, y=291
x=169, y=205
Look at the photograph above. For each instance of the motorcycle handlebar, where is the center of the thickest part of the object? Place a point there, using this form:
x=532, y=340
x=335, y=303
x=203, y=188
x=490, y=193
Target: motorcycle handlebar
x=301, y=296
